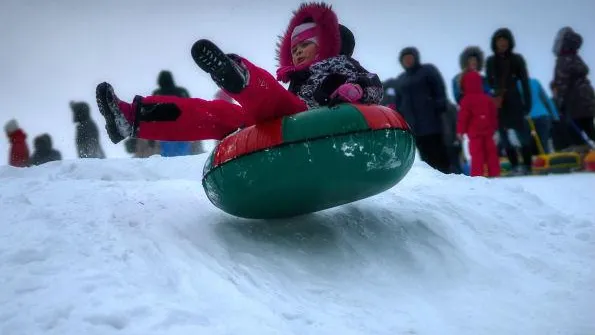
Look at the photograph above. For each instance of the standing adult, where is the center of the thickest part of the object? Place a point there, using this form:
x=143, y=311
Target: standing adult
x=503, y=69
x=419, y=94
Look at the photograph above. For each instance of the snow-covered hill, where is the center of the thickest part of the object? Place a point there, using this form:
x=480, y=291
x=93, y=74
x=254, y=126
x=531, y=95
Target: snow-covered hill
x=132, y=246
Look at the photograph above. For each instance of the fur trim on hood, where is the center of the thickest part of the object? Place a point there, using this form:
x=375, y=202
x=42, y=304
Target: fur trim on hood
x=507, y=34
x=468, y=52
x=327, y=32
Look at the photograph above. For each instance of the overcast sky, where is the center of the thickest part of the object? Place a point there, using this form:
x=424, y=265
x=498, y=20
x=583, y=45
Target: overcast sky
x=54, y=51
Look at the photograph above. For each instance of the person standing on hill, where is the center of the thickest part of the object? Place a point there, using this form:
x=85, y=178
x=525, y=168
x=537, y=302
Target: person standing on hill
x=503, y=69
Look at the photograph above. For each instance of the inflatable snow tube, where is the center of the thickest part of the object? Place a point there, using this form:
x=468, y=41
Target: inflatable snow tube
x=307, y=162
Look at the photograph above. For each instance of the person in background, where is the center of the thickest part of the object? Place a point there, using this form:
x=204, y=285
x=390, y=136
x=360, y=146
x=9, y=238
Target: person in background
x=574, y=94
x=18, y=153
x=419, y=94
x=168, y=87
x=478, y=118
x=44, y=151
x=503, y=69
x=87, y=134
x=543, y=113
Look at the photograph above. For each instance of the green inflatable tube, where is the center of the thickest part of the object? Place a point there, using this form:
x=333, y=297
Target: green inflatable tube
x=311, y=161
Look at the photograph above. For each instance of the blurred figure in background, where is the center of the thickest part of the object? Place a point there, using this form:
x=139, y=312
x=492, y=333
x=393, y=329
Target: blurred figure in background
x=574, y=95
x=140, y=148
x=543, y=113
x=44, y=151
x=478, y=118
x=503, y=69
x=87, y=134
x=420, y=96
x=18, y=153
x=167, y=86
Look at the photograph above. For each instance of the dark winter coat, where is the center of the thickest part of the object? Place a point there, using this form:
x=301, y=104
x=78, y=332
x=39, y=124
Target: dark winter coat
x=316, y=83
x=502, y=72
x=420, y=96
x=167, y=86
x=18, y=155
x=87, y=134
x=574, y=93
x=44, y=152
x=464, y=57
x=478, y=115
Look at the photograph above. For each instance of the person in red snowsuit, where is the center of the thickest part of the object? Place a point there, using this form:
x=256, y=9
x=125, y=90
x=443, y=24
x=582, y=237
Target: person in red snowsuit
x=18, y=155
x=478, y=118
x=310, y=59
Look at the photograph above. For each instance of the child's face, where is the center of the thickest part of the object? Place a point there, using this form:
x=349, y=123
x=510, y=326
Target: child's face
x=304, y=52
x=472, y=64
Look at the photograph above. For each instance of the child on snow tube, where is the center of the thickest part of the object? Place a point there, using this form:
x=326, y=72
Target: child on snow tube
x=310, y=60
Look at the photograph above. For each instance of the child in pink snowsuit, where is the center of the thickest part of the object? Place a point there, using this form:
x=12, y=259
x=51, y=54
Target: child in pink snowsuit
x=310, y=60
x=478, y=118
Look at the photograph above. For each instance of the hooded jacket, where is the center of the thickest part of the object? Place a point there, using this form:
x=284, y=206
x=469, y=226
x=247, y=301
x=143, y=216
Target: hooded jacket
x=478, y=115
x=315, y=83
x=420, y=95
x=466, y=54
x=503, y=70
x=167, y=86
x=18, y=155
x=87, y=134
x=44, y=152
x=574, y=94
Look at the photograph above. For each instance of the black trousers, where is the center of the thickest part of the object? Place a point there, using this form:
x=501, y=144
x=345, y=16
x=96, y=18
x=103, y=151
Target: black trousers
x=432, y=150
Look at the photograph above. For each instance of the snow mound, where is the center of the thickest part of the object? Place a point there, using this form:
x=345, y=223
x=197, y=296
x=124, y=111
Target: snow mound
x=133, y=246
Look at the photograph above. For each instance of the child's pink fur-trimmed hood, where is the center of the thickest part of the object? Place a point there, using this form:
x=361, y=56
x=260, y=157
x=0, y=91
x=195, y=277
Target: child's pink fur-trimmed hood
x=327, y=32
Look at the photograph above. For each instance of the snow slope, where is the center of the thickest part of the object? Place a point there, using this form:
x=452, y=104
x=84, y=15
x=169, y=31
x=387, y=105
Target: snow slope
x=132, y=246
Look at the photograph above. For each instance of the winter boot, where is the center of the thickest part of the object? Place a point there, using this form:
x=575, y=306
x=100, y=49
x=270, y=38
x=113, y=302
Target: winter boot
x=119, y=115
x=122, y=119
x=226, y=70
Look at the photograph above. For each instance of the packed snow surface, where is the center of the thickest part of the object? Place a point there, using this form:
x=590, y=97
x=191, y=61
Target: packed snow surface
x=133, y=246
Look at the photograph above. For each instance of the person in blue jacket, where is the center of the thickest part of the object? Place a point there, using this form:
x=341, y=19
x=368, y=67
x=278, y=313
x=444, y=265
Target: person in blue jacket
x=543, y=112
x=471, y=59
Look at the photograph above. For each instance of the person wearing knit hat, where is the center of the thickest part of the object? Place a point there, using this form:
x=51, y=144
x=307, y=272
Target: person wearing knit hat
x=18, y=154
x=320, y=72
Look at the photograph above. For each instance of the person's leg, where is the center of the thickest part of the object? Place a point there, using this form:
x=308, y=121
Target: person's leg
x=167, y=118
x=524, y=136
x=259, y=93
x=433, y=151
x=508, y=148
x=477, y=156
x=491, y=156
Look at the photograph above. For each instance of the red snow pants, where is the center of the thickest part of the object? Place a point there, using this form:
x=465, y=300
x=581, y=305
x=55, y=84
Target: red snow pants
x=483, y=151
x=263, y=99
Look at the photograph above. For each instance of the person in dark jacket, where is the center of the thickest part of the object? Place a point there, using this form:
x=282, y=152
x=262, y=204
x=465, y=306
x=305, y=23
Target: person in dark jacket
x=44, y=152
x=471, y=59
x=503, y=69
x=87, y=134
x=168, y=87
x=420, y=95
x=18, y=155
x=574, y=94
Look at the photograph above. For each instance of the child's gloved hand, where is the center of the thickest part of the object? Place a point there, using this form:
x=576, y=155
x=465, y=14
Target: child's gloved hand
x=348, y=93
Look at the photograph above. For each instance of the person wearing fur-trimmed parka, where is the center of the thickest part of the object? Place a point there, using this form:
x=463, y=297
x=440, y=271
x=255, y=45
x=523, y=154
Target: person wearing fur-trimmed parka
x=504, y=68
x=574, y=93
x=309, y=60
x=471, y=59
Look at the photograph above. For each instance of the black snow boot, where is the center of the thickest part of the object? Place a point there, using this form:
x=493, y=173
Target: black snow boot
x=226, y=70
x=117, y=124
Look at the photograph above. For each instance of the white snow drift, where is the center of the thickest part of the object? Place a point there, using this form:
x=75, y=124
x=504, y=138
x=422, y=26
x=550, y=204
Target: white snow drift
x=132, y=246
